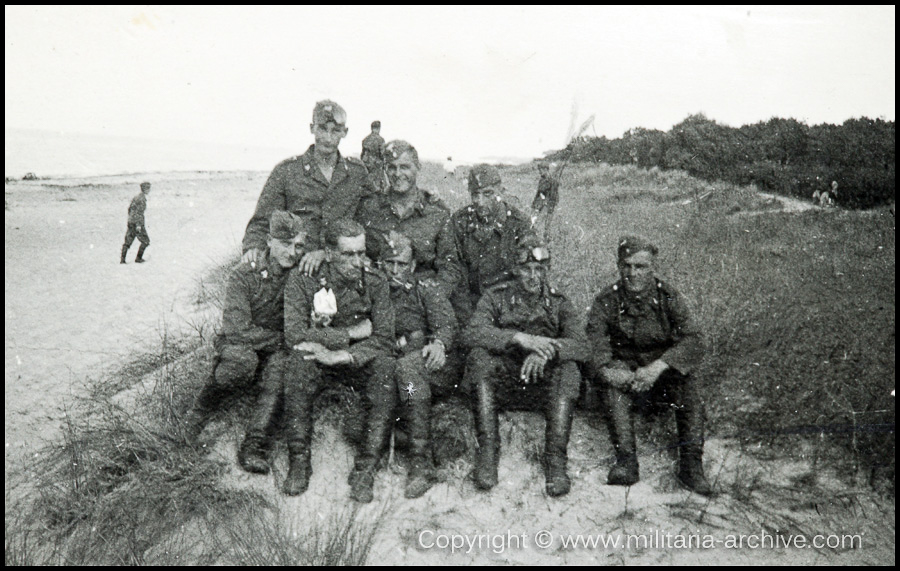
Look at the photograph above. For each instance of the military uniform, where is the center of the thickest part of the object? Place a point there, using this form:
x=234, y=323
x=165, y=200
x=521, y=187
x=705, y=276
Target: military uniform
x=628, y=331
x=426, y=225
x=547, y=195
x=136, y=227
x=373, y=367
x=485, y=253
x=494, y=363
x=545, y=202
x=373, y=144
x=252, y=336
x=298, y=186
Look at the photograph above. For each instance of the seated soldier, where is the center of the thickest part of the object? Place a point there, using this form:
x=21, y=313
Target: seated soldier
x=424, y=328
x=525, y=340
x=644, y=346
x=253, y=337
x=340, y=324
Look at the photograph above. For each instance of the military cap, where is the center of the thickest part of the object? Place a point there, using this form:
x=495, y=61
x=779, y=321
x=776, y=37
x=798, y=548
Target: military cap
x=285, y=225
x=327, y=110
x=630, y=245
x=376, y=124
x=399, y=248
x=144, y=185
x=396, y=148
x=531, y=249
x=483, y=176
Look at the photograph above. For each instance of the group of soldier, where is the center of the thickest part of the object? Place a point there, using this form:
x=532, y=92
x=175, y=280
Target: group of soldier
x=388, y=292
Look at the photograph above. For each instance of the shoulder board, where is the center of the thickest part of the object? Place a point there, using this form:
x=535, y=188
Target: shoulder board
x=355, y=162
x=429, y=282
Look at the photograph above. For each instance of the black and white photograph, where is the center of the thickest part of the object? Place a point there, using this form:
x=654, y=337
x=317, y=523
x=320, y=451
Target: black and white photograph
x=450, y=285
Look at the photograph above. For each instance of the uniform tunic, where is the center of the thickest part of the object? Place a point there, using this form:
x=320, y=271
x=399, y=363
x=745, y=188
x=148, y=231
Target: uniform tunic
x=547, y=195
x=136, y=226
x=505, y=310
x=369, y=298
x=486, y=253
x=637, y=331
x=298, y=186
x=426, y=225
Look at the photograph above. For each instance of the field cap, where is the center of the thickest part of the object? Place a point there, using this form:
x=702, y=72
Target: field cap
x=399, y=248
x=483, y=176
x=630, y=245
x=285, y=226
x=144, y=185
x=376, y=124
x=327, y=110
x=394, y=149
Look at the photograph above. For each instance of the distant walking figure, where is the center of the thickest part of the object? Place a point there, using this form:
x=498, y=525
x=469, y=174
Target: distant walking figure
x=545, y=200
x=136, y=227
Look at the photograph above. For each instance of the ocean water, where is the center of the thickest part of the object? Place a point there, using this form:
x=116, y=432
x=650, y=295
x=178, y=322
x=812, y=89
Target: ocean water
x=55, y=154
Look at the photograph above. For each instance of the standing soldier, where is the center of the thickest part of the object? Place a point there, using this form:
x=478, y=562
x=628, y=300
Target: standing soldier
x=525, y=341
x=136, y=227
x=340, y=324
x=373, y=157
x=319, y=185
x=252, y=337
x=417, y=214
x=545, y=200
x=644, y=346
x=486, y=235
x=425, y=328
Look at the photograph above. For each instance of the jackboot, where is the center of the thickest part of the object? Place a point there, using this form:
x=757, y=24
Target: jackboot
x=299, y=472
x=298, y=432
x=487, y=426
x=556, y=442
x=362, y=477
x=620, y=422
x=689, y=421
x=122, y=257
x=140, y=254
x=252, y=454
x=206, y=403
x=421, y=469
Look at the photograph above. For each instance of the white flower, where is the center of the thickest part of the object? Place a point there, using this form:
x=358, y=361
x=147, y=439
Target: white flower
x=324, y=302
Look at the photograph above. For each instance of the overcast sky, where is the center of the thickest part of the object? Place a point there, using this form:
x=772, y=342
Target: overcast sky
x=469, y=82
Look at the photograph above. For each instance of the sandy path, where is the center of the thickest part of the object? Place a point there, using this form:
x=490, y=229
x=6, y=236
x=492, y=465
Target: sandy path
x=72, y=310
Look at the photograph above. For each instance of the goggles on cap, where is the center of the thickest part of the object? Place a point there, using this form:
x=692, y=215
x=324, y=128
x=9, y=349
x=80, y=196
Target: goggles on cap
x=537, y=254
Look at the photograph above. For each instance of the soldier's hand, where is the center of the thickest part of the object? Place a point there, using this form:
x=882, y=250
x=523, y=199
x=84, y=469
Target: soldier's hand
x=362, y=330
x=543, y=346
x=622, y=379
x=533, y=368
x=331, y=358
x=310, y=347
x=435, y=355
x=646, y=376
x=252, y=256
x=310, y=262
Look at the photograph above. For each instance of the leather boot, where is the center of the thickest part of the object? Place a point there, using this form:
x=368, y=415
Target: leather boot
x=556, y=442
x=362, y=478
x=140, y=254
x=487, y=426
x=299, y=471
x=252, y=454
x=298, y=432
x=122, y=257
x=204, y=405
x=421, y=469
x=689, y=420
x=621, y=432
